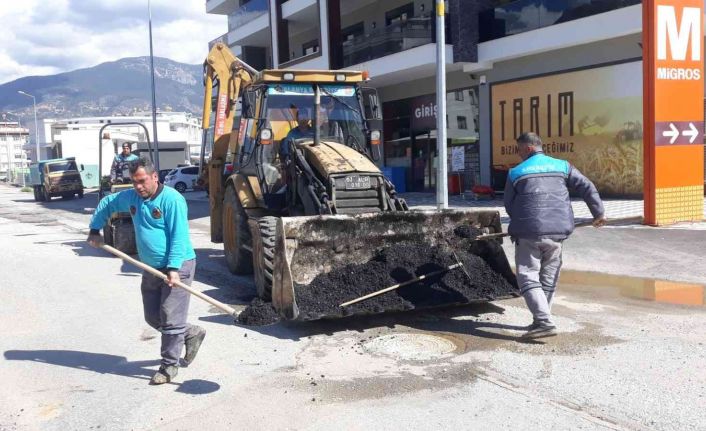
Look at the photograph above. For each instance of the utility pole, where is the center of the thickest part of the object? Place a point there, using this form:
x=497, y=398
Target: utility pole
x=36, y=126
x=442, y=190
x=154, y=97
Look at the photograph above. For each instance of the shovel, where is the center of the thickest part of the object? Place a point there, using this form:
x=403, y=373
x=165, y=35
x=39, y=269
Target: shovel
x=163, y=276
x=396, y=286
x=582, y=224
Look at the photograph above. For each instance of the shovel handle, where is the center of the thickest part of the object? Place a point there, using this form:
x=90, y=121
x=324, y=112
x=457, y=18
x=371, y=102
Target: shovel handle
x=387, y=289
x=582, y=224
x=161, y=275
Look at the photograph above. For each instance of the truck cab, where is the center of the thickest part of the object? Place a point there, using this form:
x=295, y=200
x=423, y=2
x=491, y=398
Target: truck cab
x=56, y=177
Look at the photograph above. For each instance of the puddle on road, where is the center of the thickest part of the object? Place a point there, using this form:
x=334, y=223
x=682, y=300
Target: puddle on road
x=606, y=285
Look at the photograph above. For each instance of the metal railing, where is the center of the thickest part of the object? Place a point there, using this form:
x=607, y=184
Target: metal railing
x=525, y=15
x=396, y=37
x=246, y=13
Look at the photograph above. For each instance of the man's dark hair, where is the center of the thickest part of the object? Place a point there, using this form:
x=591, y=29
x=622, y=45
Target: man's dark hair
x=143, y=163
x=530, y=138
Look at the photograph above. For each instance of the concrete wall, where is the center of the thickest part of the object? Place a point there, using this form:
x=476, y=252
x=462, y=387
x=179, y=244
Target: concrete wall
x=454, y=80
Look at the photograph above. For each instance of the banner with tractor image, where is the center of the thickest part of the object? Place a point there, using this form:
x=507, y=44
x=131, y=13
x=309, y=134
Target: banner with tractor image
x=590, y=117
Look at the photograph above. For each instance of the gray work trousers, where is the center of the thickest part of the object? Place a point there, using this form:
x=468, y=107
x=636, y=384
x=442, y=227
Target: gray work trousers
x=537, y=263
x=166, y=309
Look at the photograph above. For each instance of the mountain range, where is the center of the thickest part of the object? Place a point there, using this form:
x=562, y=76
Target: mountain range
x=119, y=87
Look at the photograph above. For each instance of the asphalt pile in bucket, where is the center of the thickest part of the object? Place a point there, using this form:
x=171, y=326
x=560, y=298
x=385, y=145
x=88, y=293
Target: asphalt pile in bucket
x=258, y=313
x=485, y=275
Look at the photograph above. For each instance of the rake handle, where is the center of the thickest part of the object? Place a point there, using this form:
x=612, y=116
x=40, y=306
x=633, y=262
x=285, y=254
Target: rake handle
x=161, y=275
x=387, y=289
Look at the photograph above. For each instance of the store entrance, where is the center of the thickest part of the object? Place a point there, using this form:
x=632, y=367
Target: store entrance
x=424, y=162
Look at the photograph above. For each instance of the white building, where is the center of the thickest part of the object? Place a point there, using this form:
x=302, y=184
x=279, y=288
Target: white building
x=511, y=66
x=12, y=157
x=179, y=136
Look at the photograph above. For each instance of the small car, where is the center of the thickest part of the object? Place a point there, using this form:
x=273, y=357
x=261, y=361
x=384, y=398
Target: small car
x=163, y=174
x=183, y=178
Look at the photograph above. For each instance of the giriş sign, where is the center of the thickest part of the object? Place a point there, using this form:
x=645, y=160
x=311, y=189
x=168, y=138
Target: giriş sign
x=423, y=113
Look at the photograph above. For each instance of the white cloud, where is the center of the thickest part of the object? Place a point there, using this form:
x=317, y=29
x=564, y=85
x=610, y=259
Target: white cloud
x=50, y=36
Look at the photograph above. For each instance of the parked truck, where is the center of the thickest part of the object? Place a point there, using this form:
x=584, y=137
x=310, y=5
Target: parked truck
x=56, y=177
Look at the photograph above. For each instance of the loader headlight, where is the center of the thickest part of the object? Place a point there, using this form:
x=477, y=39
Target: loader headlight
x=289, y=76
x=375, y=137
x=265, y=136
x=340, y=77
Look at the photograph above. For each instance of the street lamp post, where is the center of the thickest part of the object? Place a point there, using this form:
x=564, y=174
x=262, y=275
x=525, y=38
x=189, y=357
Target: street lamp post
x=154, y=97
x=442, y=190
x=36, y=126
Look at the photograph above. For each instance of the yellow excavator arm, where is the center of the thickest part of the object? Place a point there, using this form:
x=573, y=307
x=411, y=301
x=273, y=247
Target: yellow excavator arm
x=231, y=76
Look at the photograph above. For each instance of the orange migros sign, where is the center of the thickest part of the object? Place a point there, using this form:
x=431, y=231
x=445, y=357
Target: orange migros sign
x=673, y=110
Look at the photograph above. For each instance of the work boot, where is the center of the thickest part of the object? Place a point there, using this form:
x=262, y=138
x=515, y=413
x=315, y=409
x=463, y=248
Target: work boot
x=192, y=343
x=540, y=330
x=165, y=374
x=534, y=325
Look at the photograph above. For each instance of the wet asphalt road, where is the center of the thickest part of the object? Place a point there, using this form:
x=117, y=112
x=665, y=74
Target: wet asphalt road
x=76, y=353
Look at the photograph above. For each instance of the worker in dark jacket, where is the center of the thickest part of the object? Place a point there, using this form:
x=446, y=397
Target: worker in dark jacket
x=541, y=218
x=159, y=215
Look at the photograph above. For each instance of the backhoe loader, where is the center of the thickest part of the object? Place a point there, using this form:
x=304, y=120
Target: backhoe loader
x=305, y=198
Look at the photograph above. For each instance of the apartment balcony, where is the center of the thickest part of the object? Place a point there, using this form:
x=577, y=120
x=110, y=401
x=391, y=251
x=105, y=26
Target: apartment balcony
x=250, y=24
x=613, y=25
x=301, y=10
x=397, y=37
x=406, y=66
x=525, y=15
x=221, y=7
x=349, y=7
x=247, y=13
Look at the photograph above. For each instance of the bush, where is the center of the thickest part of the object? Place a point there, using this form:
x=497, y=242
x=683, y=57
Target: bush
x=26, y=189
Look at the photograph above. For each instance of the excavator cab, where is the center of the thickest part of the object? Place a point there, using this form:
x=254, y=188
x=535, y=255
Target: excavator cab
x=291, y=130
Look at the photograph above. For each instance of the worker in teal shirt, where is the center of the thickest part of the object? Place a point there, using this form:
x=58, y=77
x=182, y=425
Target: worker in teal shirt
x=121, y=164
x=159, y=215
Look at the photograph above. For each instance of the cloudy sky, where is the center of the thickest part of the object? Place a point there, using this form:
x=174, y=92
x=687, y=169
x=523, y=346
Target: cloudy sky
x=43, y=37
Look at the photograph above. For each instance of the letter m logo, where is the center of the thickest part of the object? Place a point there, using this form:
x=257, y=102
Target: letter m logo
x=689, y=30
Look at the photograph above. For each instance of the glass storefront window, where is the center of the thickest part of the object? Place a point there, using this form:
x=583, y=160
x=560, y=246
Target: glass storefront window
x=410, y=137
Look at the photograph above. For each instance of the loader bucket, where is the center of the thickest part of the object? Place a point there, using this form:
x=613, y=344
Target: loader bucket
x=323, y=261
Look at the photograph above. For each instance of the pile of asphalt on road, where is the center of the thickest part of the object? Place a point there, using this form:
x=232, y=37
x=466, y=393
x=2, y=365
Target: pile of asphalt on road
x=258, y=313
x=485, y=275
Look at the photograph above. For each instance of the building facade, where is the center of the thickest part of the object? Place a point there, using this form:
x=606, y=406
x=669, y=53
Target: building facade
x=568, y=70
x=12, y=156
x=179, y=136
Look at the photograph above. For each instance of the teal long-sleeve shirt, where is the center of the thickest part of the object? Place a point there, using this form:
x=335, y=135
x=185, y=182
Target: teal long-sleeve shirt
x=161, y=225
